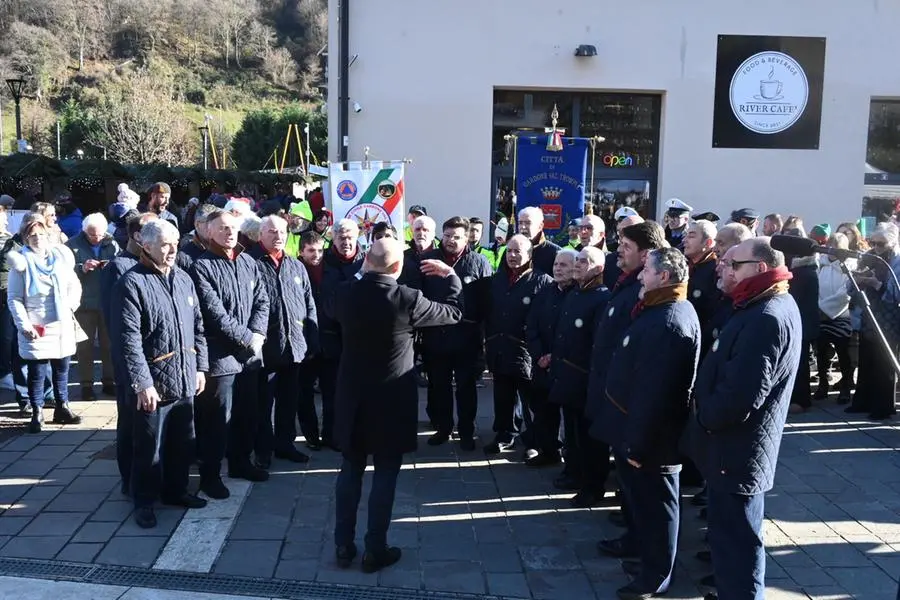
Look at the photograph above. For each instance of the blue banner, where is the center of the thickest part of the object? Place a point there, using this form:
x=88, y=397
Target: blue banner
x=553, y=181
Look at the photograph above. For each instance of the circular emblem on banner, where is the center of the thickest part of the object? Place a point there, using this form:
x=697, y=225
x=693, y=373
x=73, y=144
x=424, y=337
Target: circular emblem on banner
x=346, y=190
x=526, y=300
x=366, y=216
x=387, y=189
x=579, y=323
x=769, y=92
x=697, y=293
x=626, y=340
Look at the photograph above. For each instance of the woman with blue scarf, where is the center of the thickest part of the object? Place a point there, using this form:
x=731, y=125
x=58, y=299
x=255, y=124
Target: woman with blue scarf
x=44, y=293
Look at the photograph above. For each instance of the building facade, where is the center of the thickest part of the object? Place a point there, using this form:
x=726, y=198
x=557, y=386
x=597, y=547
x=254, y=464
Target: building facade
x=764, y=105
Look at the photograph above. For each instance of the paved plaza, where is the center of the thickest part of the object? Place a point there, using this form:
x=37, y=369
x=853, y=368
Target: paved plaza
x=467, y=525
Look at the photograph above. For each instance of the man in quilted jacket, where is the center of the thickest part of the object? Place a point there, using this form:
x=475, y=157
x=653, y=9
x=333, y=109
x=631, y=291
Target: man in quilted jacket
x=159, y=330
x=741, y=401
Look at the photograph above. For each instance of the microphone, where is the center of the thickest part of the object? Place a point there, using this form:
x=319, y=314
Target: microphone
x=798, y=246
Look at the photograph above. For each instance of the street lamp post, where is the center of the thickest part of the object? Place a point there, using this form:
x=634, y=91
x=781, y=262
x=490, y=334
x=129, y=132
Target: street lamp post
x=16, y=86
x=308, y=150
x=205, y=131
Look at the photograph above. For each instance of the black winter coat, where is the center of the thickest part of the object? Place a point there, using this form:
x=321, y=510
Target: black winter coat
x=377, y=398
x=506, y=348
x=159, y=332
x=293, y=324
x=581, y=311
x=334, y=273
x=234, y=306
x=713, y=327
x=474, y=271
x=611, y=270
x=541, y=330
x=742, y=395
x=188, y=253
x=543, y=256
x=703, y=292
x=804, y=287
x=608, y=333
x=109, y=276
x=648, y=389
x=411, y=276
x=90, y=282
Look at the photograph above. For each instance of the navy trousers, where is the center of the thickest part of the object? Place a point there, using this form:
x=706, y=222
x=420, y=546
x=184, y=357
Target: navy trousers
x=163, y=442
x=587, y=459
x=381, y=498
x=243, y=426
x=278, y=408
x=306, y=404
x=630, y=536
x=125, y=407
x=442, y=370
x=212, y=410
x=652, y=493
x=37, y=378
x=736, y=543
x=328, y=371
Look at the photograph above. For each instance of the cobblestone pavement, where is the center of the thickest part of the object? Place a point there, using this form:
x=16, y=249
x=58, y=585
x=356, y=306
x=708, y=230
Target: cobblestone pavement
x=465, y=524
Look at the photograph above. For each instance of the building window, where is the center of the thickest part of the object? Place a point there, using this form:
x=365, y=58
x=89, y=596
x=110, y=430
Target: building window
x=629, y=122
x=881, y=196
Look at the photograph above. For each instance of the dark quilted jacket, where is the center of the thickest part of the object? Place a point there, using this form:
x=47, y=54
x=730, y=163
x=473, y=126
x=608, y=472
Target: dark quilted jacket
x=713, y=327
x=7, y=243
x=608, y=333
x=160, y=332
x=188, y=253
x=541, y=330
x=90, y=282
x=109, y=276
x=543, y=256
x=703, y=292
x=411, y=276
x=335, y=272
x=648, y=389
x=611, y=270
x=742, y=395
x=506, y=350
x=234, y=305
x=293, y=326
x=581, y=311
x=474, y=271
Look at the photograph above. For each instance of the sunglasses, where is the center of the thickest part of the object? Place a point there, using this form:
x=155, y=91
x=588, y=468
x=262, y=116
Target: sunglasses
x=734, y=264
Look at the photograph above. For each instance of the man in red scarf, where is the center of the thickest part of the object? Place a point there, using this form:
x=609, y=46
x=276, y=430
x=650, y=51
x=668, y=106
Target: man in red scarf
x=741, y=403
x=312, y=251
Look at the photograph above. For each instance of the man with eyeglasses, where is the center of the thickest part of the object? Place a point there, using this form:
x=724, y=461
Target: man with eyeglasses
x=741, y=400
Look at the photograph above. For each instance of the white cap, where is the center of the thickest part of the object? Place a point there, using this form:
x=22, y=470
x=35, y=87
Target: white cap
x=676, y=204
x=502, y=228
x=625, y=212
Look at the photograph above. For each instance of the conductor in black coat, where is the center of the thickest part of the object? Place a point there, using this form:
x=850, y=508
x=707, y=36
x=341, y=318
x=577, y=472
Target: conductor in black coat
x=377, y=401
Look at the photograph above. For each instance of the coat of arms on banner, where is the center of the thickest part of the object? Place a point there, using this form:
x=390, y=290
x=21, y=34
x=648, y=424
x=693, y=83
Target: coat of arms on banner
x=368, y=193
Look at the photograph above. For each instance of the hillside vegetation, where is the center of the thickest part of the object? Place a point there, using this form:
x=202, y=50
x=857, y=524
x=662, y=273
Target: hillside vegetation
x=137, y=77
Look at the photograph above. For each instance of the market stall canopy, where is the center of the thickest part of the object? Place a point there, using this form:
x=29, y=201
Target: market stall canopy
x=104, y=169
x=146, y=175
x=21, y=164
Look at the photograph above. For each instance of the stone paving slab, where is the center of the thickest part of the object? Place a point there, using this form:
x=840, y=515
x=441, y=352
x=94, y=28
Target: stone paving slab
x=465, y=523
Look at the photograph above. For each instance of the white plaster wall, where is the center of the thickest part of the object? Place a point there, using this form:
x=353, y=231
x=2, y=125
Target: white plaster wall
x=427, y=69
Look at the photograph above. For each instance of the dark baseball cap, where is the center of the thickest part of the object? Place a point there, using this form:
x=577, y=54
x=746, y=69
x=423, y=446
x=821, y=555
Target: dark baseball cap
x=417, y=209
x=707, y=216
x=744, y=214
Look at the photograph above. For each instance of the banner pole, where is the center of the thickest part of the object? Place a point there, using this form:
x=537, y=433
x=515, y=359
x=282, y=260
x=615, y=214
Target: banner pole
x=589, y=209
x=515, y=142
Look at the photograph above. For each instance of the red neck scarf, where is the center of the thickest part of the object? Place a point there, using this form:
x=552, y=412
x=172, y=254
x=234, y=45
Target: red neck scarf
x=515, y=274
x=315, y=272
x=345, y=259
x=669, y=293
x=770, y=283
x=276, y=255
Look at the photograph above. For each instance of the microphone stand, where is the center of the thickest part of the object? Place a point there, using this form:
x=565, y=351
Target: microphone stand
x=867, y=308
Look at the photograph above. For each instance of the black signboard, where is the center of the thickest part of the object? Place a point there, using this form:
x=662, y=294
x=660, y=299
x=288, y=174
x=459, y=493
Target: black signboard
x=768, y=92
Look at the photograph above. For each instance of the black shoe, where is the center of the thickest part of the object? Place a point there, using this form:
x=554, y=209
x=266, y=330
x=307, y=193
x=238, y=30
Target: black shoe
x=37, y=422
x=375, y=561
x=844, y=397
x=617, y=548
x=466, y=444
x=438, y=439
x=567, y=483
x=636, y=591
x=708, y=581
x=631, y=567
x=247, y=471
x=145, y=517
x=704, y=556
x=345, y=555
x=327, y=443
x=63, y=415
x=87, y=393
x=214, y=488
x=587, y=499
x=617, y=518
x=185, y=501
x=264, y=462
x=543, y=459
x=314, y=444
x=109, y=390
x=293, y=455
x=711, y=596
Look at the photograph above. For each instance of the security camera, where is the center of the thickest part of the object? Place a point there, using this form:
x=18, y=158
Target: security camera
x=357, y=107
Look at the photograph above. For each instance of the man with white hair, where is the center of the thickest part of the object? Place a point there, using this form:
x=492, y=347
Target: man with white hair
x=195, y=245
x=543, y=251
x=699, y=248
x=421, y=243
x=93, y=248
x=159, y=329
x=293, y=334
x=591, y=232
x=342, y=263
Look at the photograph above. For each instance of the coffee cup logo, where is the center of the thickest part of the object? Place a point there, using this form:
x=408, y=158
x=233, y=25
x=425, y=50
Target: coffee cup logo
x=769, y=92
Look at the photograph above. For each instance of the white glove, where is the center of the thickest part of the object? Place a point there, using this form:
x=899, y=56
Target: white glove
x=256, y=343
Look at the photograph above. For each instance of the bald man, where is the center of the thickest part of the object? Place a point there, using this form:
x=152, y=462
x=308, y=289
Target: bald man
x=377, y=399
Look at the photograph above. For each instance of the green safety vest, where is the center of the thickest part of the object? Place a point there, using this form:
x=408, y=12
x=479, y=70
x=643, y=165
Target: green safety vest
x=494, y=256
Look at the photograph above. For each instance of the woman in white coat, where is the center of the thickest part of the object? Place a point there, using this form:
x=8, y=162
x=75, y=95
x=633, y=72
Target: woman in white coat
x=835, y=327
x=43, y=294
